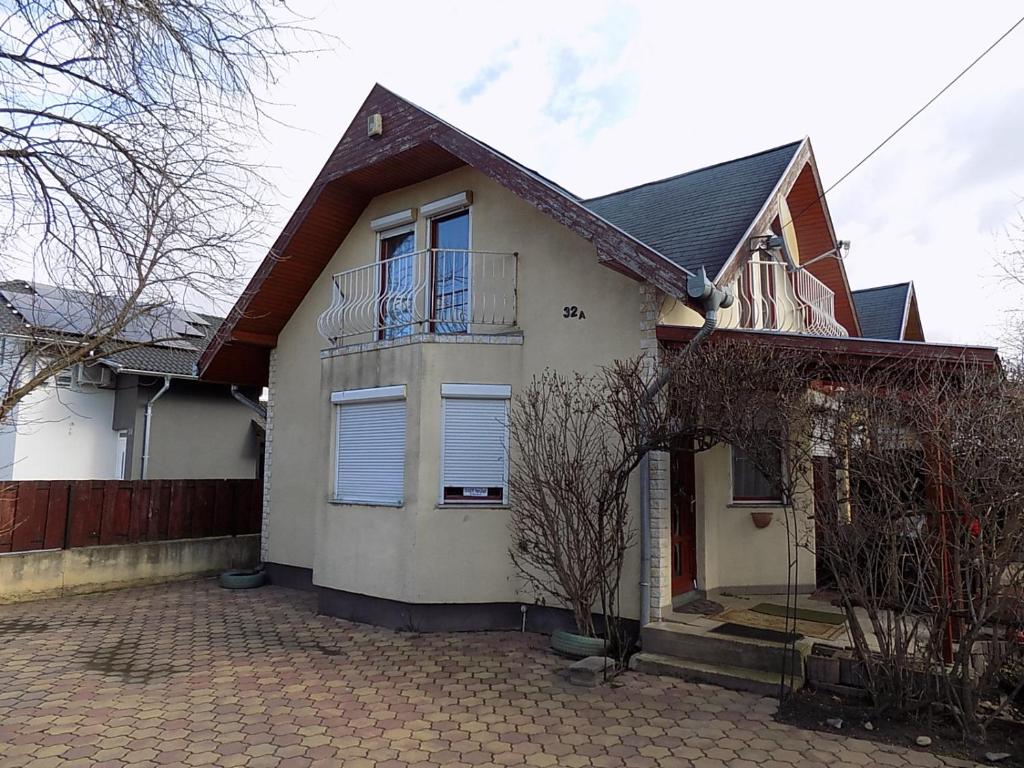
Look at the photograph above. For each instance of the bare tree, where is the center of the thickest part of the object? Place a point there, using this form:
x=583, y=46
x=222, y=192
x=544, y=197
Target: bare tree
x=1010, y=268
x=122, y=131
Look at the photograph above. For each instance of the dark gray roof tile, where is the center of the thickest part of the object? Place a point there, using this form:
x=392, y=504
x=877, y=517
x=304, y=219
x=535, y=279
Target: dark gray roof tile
x=696, y=219
x=880, y=311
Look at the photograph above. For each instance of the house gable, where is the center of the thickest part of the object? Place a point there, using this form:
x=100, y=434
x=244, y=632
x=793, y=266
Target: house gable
x=414, y=146
x=801, y=186
x=889, y=312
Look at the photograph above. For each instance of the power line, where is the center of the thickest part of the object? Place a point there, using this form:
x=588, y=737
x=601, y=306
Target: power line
x=910, y=119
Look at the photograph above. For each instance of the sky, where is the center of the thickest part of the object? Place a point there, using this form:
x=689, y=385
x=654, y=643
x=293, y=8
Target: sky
x=602, y=95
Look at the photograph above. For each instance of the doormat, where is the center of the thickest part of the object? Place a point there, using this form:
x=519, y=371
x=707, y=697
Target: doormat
x=820, y=617
x=806, y=628
x=756, y=633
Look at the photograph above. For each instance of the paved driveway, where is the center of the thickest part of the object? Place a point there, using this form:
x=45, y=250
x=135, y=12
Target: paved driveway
x=195, y=675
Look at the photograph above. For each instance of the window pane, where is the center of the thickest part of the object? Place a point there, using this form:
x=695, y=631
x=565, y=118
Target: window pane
x=397, y=283
x=451, y=273
x=748, y=483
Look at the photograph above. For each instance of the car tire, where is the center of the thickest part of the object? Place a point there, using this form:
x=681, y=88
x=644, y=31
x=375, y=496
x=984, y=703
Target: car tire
x=249, y=579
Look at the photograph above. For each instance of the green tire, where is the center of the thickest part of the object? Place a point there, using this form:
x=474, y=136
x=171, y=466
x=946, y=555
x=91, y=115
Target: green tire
x=242, y=579
x=577, y=646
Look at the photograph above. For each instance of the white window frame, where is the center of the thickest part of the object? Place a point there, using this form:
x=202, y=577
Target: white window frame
x=469, y=392
x=375, y=394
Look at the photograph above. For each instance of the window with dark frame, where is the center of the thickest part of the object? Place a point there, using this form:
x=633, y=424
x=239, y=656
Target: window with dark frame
x=397, y=283
x=449, y=239
x=749, y=484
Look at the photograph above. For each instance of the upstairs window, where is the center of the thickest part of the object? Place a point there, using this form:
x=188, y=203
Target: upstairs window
x=369, y=465
x=397, y=282
x=474, y=452
x=450, y=300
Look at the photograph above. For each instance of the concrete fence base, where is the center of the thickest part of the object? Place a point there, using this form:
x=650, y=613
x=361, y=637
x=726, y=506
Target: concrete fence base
x=56, y=572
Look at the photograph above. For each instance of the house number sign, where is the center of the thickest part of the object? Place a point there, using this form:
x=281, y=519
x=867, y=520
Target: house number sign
x=573, y=313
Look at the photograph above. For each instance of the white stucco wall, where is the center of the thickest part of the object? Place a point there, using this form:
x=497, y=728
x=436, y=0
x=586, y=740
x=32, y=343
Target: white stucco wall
x=64, y=434
x=733, y=553
x=425, y=552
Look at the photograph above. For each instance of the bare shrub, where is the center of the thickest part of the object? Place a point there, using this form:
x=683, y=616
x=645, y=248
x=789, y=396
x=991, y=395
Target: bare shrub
x=569, y=524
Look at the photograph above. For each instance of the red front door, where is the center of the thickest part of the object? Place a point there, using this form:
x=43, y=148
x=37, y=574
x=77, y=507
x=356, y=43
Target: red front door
x=684, y=523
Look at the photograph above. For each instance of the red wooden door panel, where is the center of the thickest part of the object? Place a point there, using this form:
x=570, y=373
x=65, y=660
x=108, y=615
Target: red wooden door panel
x=683, y=512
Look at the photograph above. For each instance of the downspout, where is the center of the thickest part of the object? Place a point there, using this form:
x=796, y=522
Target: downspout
x=147, y=427
x=247, y=402
x=712, y=298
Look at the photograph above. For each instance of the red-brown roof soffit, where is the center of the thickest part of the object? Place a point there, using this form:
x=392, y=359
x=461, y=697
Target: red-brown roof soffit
x=413, y=147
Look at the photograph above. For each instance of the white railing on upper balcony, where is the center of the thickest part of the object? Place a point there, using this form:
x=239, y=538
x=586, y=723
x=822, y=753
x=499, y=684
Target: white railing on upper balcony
x=437, y=290
x=772, y=297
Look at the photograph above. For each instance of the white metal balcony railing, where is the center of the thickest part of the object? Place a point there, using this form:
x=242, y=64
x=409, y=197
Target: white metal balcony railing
x=432, y=291
x=769, y=296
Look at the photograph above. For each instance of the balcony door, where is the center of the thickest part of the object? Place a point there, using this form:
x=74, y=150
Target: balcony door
x=450, y=296
x=397, y=283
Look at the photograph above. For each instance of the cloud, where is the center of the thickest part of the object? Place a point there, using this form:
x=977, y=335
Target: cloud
x=590, y=81
x=484, y=79
x=991, y=135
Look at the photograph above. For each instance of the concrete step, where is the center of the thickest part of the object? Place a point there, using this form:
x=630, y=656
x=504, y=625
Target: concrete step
x=734, y=678
x=695, y=644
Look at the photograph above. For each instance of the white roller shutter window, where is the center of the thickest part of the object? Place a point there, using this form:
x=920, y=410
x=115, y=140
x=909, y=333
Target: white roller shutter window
x=371, y=452
x=475, y=444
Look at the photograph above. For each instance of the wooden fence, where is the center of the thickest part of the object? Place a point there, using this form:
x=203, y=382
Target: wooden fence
x=63, y=514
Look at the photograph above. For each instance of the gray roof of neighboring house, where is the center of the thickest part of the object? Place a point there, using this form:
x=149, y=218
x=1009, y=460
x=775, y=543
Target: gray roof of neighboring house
x=880, y=310
x=169, y=360
x=174, y=357
x=697, y=219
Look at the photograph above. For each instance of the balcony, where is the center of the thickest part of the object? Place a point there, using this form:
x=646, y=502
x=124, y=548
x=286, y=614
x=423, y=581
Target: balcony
x=771, y=297
x=434, y=291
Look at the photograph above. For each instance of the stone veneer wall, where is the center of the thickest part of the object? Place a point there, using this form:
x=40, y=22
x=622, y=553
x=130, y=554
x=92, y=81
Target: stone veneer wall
x=660, y=576
x=268, y=456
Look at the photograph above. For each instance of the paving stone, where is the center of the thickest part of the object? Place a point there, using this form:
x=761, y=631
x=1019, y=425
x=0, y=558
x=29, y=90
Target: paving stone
x=190, y=674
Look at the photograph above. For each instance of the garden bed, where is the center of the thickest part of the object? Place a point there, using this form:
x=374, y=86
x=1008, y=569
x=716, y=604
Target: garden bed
x=813, y=709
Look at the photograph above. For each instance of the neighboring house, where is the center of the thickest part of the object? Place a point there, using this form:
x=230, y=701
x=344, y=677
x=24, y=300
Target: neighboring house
x=425, y=278
x=889, y=312
x=135, y=413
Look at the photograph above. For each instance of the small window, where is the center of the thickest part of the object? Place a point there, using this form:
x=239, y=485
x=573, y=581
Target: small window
x=474, y=455
x=65, y=379
x=370, y=446
x=749, y=483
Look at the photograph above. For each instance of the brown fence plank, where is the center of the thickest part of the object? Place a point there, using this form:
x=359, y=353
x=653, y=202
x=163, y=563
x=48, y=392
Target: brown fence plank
x=56, y=515
x=112, y=530
x=160, y=510
x=178, y=513
x=30, y=516
x=202, y=509
x=49, y=514
x=85, y=517
x=140, y=510
x=223, y=509
x=8, y=504
x=251, y=513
